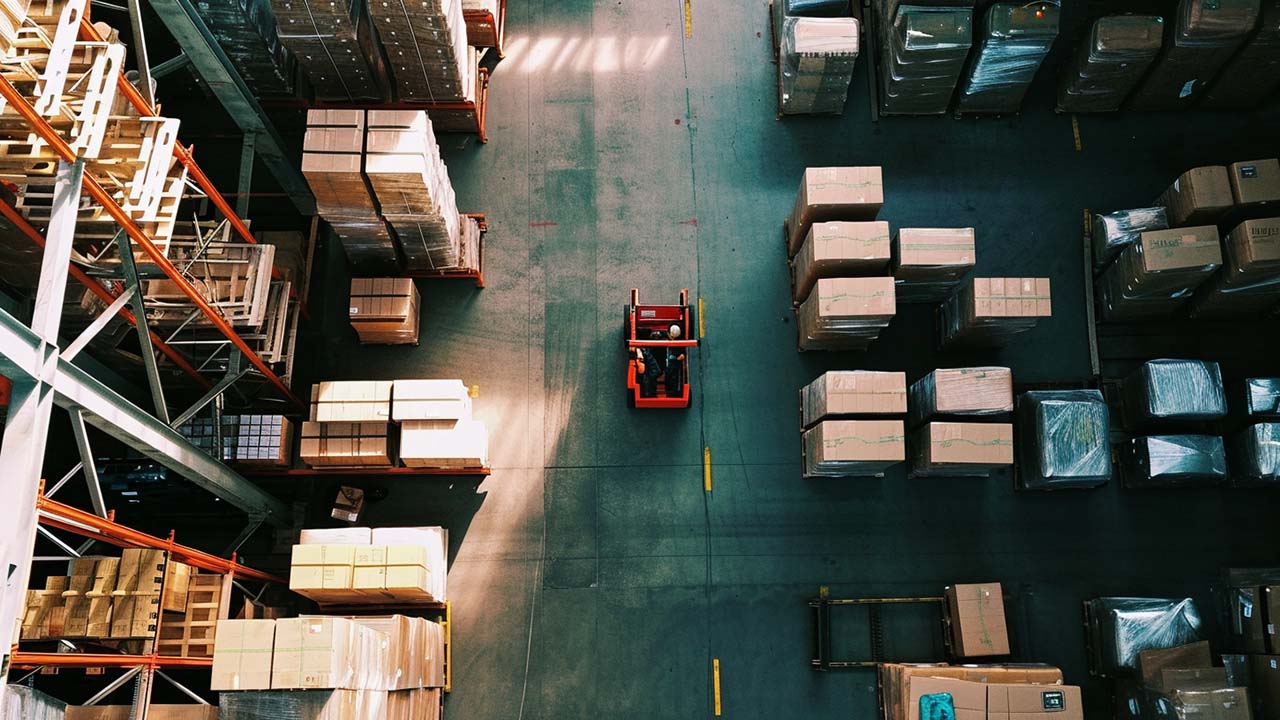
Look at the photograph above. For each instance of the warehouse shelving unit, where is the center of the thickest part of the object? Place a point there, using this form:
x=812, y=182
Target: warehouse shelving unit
x=486, y=31
x=143, y=667
x=441, y=612
x=370, y=472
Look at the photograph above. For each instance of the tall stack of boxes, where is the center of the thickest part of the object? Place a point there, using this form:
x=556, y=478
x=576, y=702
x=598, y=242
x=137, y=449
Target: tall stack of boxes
x=426, y=43
x=349, y=425
x=1253, y=636
x=436, y=427
x=1182, y=682
x=1159, y=273
x=1015, y=38
x=1249, y=280
x=988, y=311
x=929, y=264
x=1164, y=395
x=975, y=620
x=923, y=51
x=1110, y=63
x=851, y=423
x=384, y=311
x=952, y=414
x=1253, y=75
x=336, y=45
x=1201, y=37
x=382, y=565
x=816, y=58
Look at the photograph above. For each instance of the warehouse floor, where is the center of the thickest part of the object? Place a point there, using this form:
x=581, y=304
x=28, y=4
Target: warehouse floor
x=591, y=574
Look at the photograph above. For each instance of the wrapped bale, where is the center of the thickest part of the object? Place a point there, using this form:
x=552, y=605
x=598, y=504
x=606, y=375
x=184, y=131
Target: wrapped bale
x=246, y=32
x=1255, y=456
x=930, y=263
x=336, y=46
x=839, y=249
x=987, y=311
x=956, y=449
x=1162, y=461
x=923, y=50
x=1250, y=279
x=1262, y=397
x=977, y=391
x=1202, y=37
x=303, y=705
x=27, y=703
x=1159, y=273
x=1063, y=439
x=1110, y=63
x=1163, y=390
x=815, y=64
x=840, y=393
x=853, y=448
x=1114, y=231
x=1016, y=37
x=1253, y=75
x=1120, y=628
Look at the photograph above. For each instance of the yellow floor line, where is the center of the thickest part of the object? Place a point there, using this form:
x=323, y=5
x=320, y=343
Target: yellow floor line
x=702, y=328
x=688, y=18
x=706, y=469
x=715, y=675
x=1075, y=130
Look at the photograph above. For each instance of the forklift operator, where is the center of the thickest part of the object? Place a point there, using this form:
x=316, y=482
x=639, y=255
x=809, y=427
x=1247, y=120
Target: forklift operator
x=675, y=365
x=650, y=368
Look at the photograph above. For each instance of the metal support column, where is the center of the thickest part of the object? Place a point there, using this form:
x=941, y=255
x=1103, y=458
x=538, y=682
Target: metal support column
x=145, y=86
x=31, y=404
x=86, y=461
x=170, y=66
x=236, y=369
x=130, y=271
x=246, y=172
x=113, y=686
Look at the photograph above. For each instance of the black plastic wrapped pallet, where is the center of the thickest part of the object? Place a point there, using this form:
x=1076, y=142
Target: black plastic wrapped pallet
x=1165, y=461
x=246, y=32
x=1112, y=232
x=1015, y=39
x=1178, y=390
x=1110, y=63
x=1063, y=439
x=1261, y=397
x=1253, y=75
x=1200, y=39
x=816, y=8
x=336, y=46
x=1121, y=627
x=1255, y=456
x=923, y=51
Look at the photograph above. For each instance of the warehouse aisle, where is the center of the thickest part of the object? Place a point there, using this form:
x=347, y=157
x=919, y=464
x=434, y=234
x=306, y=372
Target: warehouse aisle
x=592, y=576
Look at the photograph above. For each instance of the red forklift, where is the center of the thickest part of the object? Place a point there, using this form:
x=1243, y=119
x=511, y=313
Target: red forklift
x=658, y=339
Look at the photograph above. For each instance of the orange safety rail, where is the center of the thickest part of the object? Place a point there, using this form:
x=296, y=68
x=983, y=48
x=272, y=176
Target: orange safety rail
x=106, y=296
x=81, y=522
x=42, y=128
x=90, y=33
x=32, y=660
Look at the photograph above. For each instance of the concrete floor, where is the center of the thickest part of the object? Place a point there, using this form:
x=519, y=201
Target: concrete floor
x=592, y=576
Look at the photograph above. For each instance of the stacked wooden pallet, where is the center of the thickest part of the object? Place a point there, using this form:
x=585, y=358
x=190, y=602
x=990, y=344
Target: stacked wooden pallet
x=335, y=43
x=191, y=632
x=426, y=41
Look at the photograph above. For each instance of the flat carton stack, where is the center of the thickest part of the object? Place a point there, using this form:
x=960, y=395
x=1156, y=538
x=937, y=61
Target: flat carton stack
x=816, y=58
x=336, y=45
x=356, y=565
x=426, y=43
x=961, y=449
x=1249, y=281
x=923, y=50
x=975, y=620
x=930, y=263
x=412, y=187
x=839, y=249
x=436, y=427
x=1201, y=37
x=833, y=193
x=845, y=313
x=246, y=31
x=1110, y=63
x=840, y=394
x=252, y=440
x=349, y=425
x=1198, y=196
x=979, y=692
x=332, y=162
x=1159, y=273
x=987, y=311
x=384, y=311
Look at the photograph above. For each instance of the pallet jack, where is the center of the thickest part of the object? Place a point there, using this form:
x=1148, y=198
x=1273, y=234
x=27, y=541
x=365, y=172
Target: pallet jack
x=664, y=331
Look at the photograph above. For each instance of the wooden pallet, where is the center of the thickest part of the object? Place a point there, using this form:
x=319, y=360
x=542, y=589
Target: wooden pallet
x=191, y=634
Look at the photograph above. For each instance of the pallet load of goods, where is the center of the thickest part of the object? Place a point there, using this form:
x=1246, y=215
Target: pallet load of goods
x=361, y=423
x=359, y=566
x=380, y=184
x=247, y=440
x=1014, y=39
x=246, y=31
x=816, y=56
x=923, y=50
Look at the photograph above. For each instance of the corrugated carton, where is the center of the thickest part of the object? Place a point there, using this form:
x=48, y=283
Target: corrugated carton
x=430, y=400
x=1255, y=183
x=844, y=448
x=962, y=449
x=839, y=249
x=242, y=655
x=346, y=444
x=853, y=392
x=384, y=310
x=1198, y=196
x=1034, y=702
x=351, y=401
x=929, y=263
x=977, y=620
x=444, y=443
x=834, y=193
x=845, y=313
x=962, y=391
x=336, y=536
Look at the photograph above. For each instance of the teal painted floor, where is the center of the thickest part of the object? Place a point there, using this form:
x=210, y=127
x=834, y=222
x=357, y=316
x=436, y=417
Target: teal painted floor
x=591, y=574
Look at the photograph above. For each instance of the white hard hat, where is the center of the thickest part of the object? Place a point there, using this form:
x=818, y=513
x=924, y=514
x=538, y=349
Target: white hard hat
x=674, y=332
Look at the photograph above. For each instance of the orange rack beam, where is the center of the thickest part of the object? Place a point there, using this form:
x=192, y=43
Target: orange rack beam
x=42, y=128
x=65, y=517
x=31, y=660
x=367, y=471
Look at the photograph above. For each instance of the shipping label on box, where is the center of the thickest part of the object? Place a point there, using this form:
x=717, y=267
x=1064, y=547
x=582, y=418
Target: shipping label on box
x=1180, y=249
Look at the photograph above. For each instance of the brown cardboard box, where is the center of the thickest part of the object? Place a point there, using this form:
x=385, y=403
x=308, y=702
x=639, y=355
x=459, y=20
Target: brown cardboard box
x=959, y=448
x=141, y=570
x=351, y=401
x=834, y=193
x=242, y=655
x=841, y=448
x=853, y=392
x=191, y=711
x=1216, y=704
x=1192, y=679
x=1198, y=196
x=896, y=679
x=962, y=391
x=969, y=698
x=977, y=620
x=1151, y=662
x=341, y=444
x=1034, y=702
x=922, y=253
x=1011, y=297
x=317, y=567
x=1271, y=598
x=1255, y=182
x=327, y=652
x=1180, y=248
x=384, y=310
x=1248, y=626
x=1264, y=685
x=1252, y=252
x=839, y=249
x=177, y=578
x=845, y=313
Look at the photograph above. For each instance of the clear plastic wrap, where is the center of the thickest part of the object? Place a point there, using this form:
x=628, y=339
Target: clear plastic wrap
x=1159, y=272
x=975, y=391
x=816, y=58
x=1016, y=37
x=1160, y=461
x=1253, y=75
x=845, y=313
x=988, y=311
x=1121, y=627
x=1114, y=231
x=816, y=8
x=27, y=703
x=302, y=705
x=1217, y=704
x=923, y=53
x=1204, y=36
x=336, y=44
x=1063, y=439
x=1262, y=397
x=1174, y=390
x=1110, y=64
x=853, y=448
x=930, y=263
x=1255, y=455
x=246, y=32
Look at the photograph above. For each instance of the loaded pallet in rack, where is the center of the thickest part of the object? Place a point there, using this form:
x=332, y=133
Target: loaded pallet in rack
x=426, y=42
x=337, y=45
x=486, y=23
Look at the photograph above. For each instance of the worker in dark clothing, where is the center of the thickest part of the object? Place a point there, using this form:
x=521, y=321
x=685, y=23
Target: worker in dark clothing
x=650, y=368
x=675, y=366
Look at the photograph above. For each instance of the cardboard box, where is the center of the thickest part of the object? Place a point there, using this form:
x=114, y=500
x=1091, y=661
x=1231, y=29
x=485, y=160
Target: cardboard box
x=1248, y=624
x=385, y=310
x=845, y=313
x=430, y=400
x=444, y=443
x=896, y=680
x=1180, y=248
x=320, y=577
x=141, y=570
x=1252, y=252
x=857, y=448
x=1271, y=598
x=348, y=505
x=1198, y=196
x=408, y=577
x=959, y=448
x=839, y=249
x=1192, y=679
x=327, y=652
x=968, y=698
x=191, y=711
x=1215, y=704
x=370, y=556
x=1152, y=662
x=242, y=655
x=934, y=253
x=336, y=536
x=435, y=544
x=1255, y=183
x=977, y=620
x=1264, y=685
x=992, y=309
x=343, y=444
x=370, y=578
x=351, y=401
x=834, y=193
x=1034, y=702
x=408, y=555
x=177, y=578
x=962, y=391
x=100, y=617
x=323, y=555
x=853, y=392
